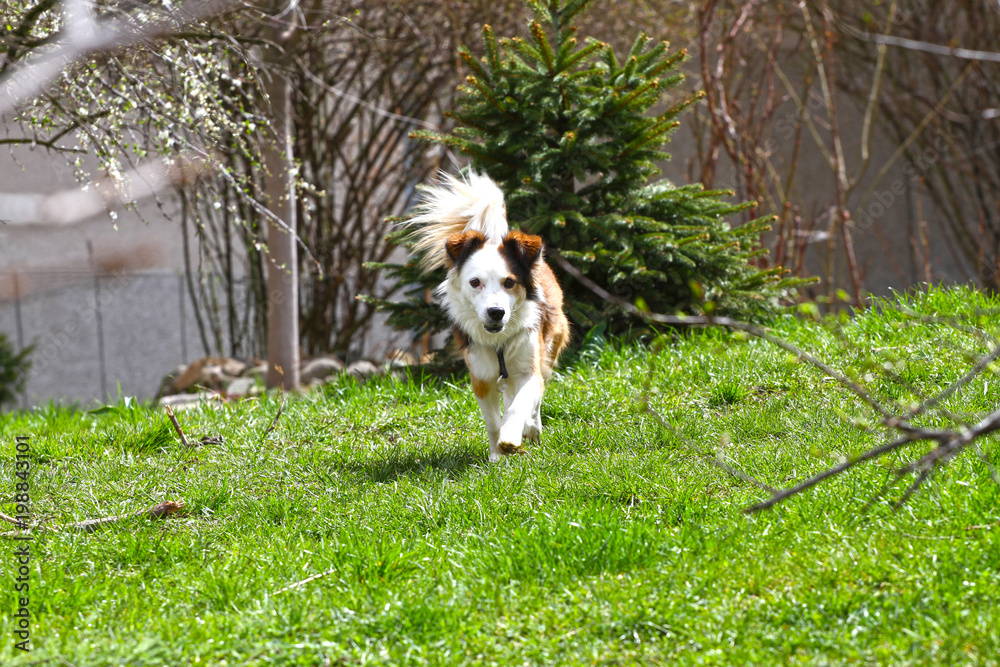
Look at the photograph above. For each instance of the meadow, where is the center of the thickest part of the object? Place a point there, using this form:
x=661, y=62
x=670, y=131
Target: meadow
x=367, y=526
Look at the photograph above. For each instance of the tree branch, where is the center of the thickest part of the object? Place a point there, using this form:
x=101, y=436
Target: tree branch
x=84, y=36
x=926, y=47
x=74, y=205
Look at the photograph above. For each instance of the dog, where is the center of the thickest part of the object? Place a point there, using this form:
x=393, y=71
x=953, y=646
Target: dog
x=503, y=300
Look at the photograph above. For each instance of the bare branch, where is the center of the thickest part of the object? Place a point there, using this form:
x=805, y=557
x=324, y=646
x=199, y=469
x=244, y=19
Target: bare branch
x=84, y=36
x=74, y=205
x=926, y=47
x=754, y=330
x=873, y=95
x=831, y=472
x=706, y=456
x=367, y=105
x=158, y=511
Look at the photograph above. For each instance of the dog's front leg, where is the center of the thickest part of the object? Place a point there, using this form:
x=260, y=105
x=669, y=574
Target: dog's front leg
x=533, y=424
x=520, y=411
x=489, y=403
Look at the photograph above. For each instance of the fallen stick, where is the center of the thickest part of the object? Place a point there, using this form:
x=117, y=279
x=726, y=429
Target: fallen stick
x=274, y=422
x=299, y=584
x=158, y=511
x=177, y=426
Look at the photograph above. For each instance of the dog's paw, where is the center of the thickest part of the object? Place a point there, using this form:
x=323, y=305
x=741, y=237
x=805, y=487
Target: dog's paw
x=508, y=448
x=532, y=433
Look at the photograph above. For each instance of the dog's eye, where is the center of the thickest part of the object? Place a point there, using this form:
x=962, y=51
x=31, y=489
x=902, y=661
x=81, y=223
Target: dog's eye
x=475, y=282
x=509, y=283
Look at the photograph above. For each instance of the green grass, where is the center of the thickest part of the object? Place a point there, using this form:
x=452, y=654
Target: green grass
x=611, y=543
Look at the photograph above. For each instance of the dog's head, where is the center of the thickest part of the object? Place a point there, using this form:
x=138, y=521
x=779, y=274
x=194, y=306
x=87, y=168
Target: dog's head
x=494, y=280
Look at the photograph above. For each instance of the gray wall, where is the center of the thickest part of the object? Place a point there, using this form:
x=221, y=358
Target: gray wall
x=101, y=334
x=104, y=301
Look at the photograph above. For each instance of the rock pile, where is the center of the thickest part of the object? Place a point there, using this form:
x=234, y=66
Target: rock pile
x=233, y=378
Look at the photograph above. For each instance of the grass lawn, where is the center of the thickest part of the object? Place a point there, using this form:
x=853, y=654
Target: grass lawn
x=612, y=543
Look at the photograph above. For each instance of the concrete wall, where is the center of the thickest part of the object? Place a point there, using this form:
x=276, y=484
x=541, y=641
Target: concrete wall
x=71, y=290
x=104, y=302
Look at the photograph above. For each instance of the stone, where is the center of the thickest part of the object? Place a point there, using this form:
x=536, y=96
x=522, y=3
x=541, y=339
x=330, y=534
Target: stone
x=243, y=386
x=257, y=372
x=320, y=369
x=233, y=367
x=398, y=363
x=193, y=373
x=211, y=377
x=362, y=369
x=400, y=359
x=183, y=401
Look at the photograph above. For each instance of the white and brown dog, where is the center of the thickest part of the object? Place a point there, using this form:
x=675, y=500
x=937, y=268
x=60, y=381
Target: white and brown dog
x=502, y=298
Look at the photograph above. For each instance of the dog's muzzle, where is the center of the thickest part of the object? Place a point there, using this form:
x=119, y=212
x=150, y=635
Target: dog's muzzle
x=496, y=319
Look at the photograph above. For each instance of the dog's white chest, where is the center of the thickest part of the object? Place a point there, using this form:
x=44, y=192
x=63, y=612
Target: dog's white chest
x=518, y=357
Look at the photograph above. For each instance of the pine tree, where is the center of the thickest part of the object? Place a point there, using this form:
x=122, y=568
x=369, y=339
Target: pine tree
x=565, y=128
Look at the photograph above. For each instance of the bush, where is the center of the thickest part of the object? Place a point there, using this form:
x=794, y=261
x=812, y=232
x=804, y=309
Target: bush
x=14, y=368
x=565, y=128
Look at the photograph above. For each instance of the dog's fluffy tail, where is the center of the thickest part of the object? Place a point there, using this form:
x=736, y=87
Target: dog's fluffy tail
x=454, y=206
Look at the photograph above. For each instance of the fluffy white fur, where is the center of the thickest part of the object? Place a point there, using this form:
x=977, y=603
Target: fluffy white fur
x=454, y=206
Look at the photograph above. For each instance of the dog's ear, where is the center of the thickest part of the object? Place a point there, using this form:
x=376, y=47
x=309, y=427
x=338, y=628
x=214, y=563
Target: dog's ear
x=459, y=246
x=522, y=249
x=522, y=253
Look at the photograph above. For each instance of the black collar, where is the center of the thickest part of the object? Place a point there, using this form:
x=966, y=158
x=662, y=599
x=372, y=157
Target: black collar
x=503, y=366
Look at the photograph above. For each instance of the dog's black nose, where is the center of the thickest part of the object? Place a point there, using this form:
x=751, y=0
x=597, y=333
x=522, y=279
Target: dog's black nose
x=496, y=314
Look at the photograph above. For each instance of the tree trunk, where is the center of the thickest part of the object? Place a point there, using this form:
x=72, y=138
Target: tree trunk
x=282, y=305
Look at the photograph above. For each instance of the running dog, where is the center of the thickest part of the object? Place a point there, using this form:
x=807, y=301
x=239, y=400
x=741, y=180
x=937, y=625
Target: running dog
x=503, y=300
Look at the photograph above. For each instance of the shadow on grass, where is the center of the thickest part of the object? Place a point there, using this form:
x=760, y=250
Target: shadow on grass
x=454, y=463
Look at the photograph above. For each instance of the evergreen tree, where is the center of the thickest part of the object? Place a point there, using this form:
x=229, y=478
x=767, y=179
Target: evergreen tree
x=565, y=128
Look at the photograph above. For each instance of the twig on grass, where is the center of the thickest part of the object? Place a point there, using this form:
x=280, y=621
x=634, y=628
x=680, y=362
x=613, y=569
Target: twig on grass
x=177, y=426
x=158, y=511
x=705, y=456
x=11, y=520
x=183, y=463
x=985, y=526
x=207, y=440
x=299, y=584
x=274, y=422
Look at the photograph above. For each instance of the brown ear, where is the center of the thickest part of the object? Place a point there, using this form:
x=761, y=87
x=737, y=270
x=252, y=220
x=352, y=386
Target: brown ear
x=460, y=246
x=522, y=252
x=525, y=249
